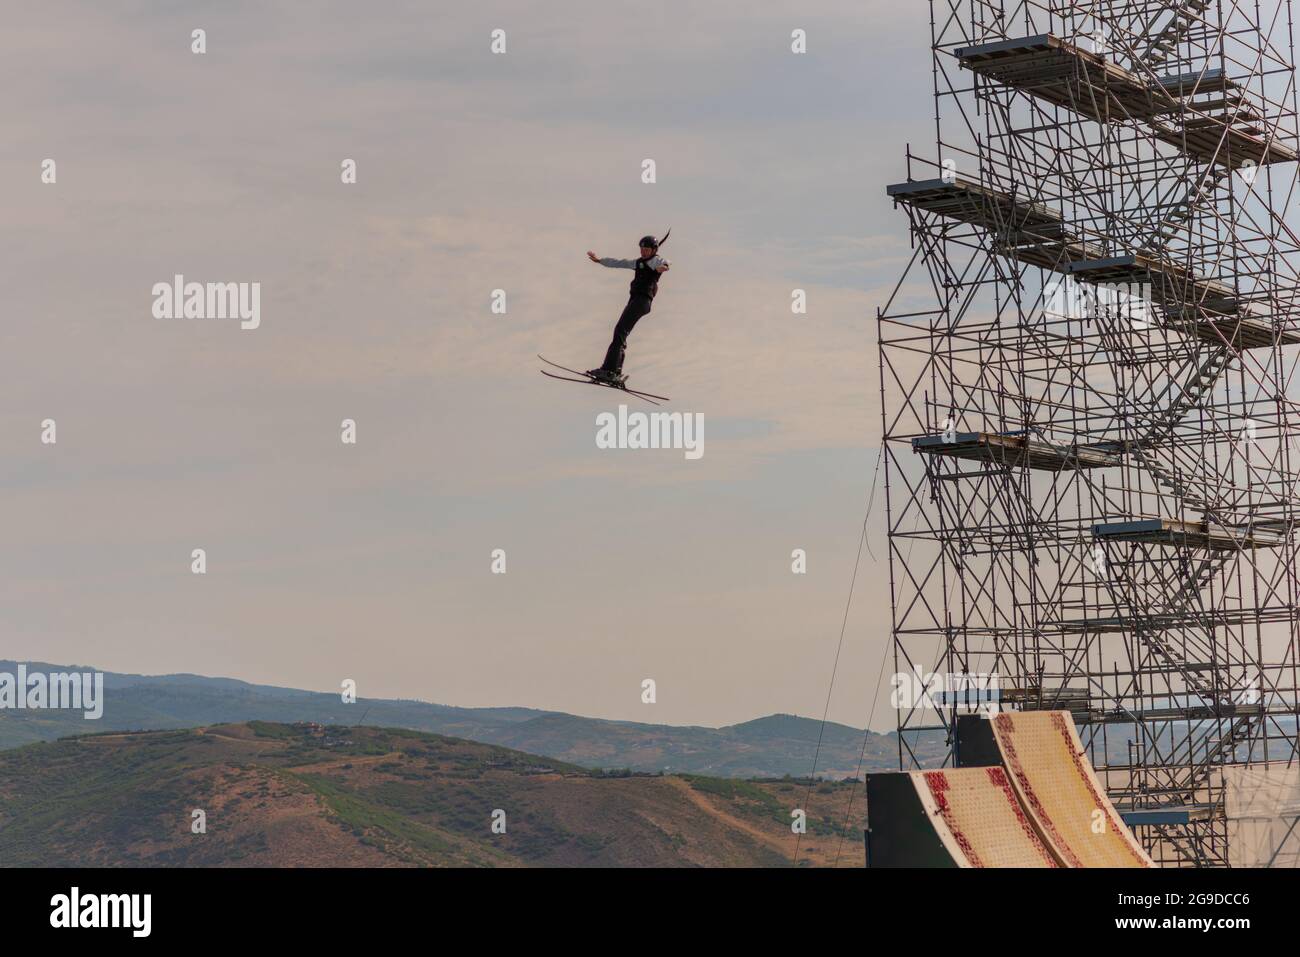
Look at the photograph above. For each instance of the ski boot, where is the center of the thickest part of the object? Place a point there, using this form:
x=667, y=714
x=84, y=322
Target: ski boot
x=606, y=377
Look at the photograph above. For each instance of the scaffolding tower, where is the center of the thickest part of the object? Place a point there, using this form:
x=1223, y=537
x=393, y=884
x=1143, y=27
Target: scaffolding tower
x=1089, y=388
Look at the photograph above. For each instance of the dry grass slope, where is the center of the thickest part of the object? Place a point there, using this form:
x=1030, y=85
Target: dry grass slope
x=281, y=795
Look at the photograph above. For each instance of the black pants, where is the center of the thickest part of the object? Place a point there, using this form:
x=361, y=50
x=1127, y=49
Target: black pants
x=636, y=307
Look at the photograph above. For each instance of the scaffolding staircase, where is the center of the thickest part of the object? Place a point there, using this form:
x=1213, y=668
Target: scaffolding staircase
x=1187, y=13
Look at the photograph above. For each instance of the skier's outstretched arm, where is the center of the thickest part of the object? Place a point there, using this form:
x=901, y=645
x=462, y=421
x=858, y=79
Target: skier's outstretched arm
x=612, y=263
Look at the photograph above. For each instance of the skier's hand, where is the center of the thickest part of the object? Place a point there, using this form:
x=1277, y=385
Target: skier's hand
x=663, y=267
x=592, y=256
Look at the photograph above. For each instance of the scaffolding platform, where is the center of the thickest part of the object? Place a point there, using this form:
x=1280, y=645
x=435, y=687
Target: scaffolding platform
x=1224, y=131
x=1180, y=291
x=1033, y=233
x=1015, y=450
x=1170, y=283
x=1241, y=332
x=1172, y=531
x=979, y=204
x=1168, y=621
x=1027, y=231
x=1187, y=713
x=1158, y=816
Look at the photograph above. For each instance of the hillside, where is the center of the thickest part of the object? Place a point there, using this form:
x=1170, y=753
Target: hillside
x=305, y=796
x=773, y=746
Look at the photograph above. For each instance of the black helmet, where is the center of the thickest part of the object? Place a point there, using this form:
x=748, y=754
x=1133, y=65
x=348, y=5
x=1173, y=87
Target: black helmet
x=651, y=243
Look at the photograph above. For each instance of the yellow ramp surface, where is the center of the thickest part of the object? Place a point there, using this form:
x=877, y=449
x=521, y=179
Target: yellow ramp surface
x=979, y=819
x=1059, y=790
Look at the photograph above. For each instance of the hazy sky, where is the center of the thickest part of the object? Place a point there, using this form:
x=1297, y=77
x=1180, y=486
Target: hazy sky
x=475, y=172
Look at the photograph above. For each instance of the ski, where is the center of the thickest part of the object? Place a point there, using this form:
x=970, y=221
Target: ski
x=647, y=396
x=590, y=381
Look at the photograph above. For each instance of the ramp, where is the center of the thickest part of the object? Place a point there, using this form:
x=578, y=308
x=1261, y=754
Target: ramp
x=1059, y=791
x=957, y=817
x=979, y=819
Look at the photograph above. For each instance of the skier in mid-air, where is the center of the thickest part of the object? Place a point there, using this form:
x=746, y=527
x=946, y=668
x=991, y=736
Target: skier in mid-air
x=645, y=282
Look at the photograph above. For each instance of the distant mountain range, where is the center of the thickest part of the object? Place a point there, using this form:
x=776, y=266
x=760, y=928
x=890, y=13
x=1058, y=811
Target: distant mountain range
x=305, y=795
x=773, y=746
